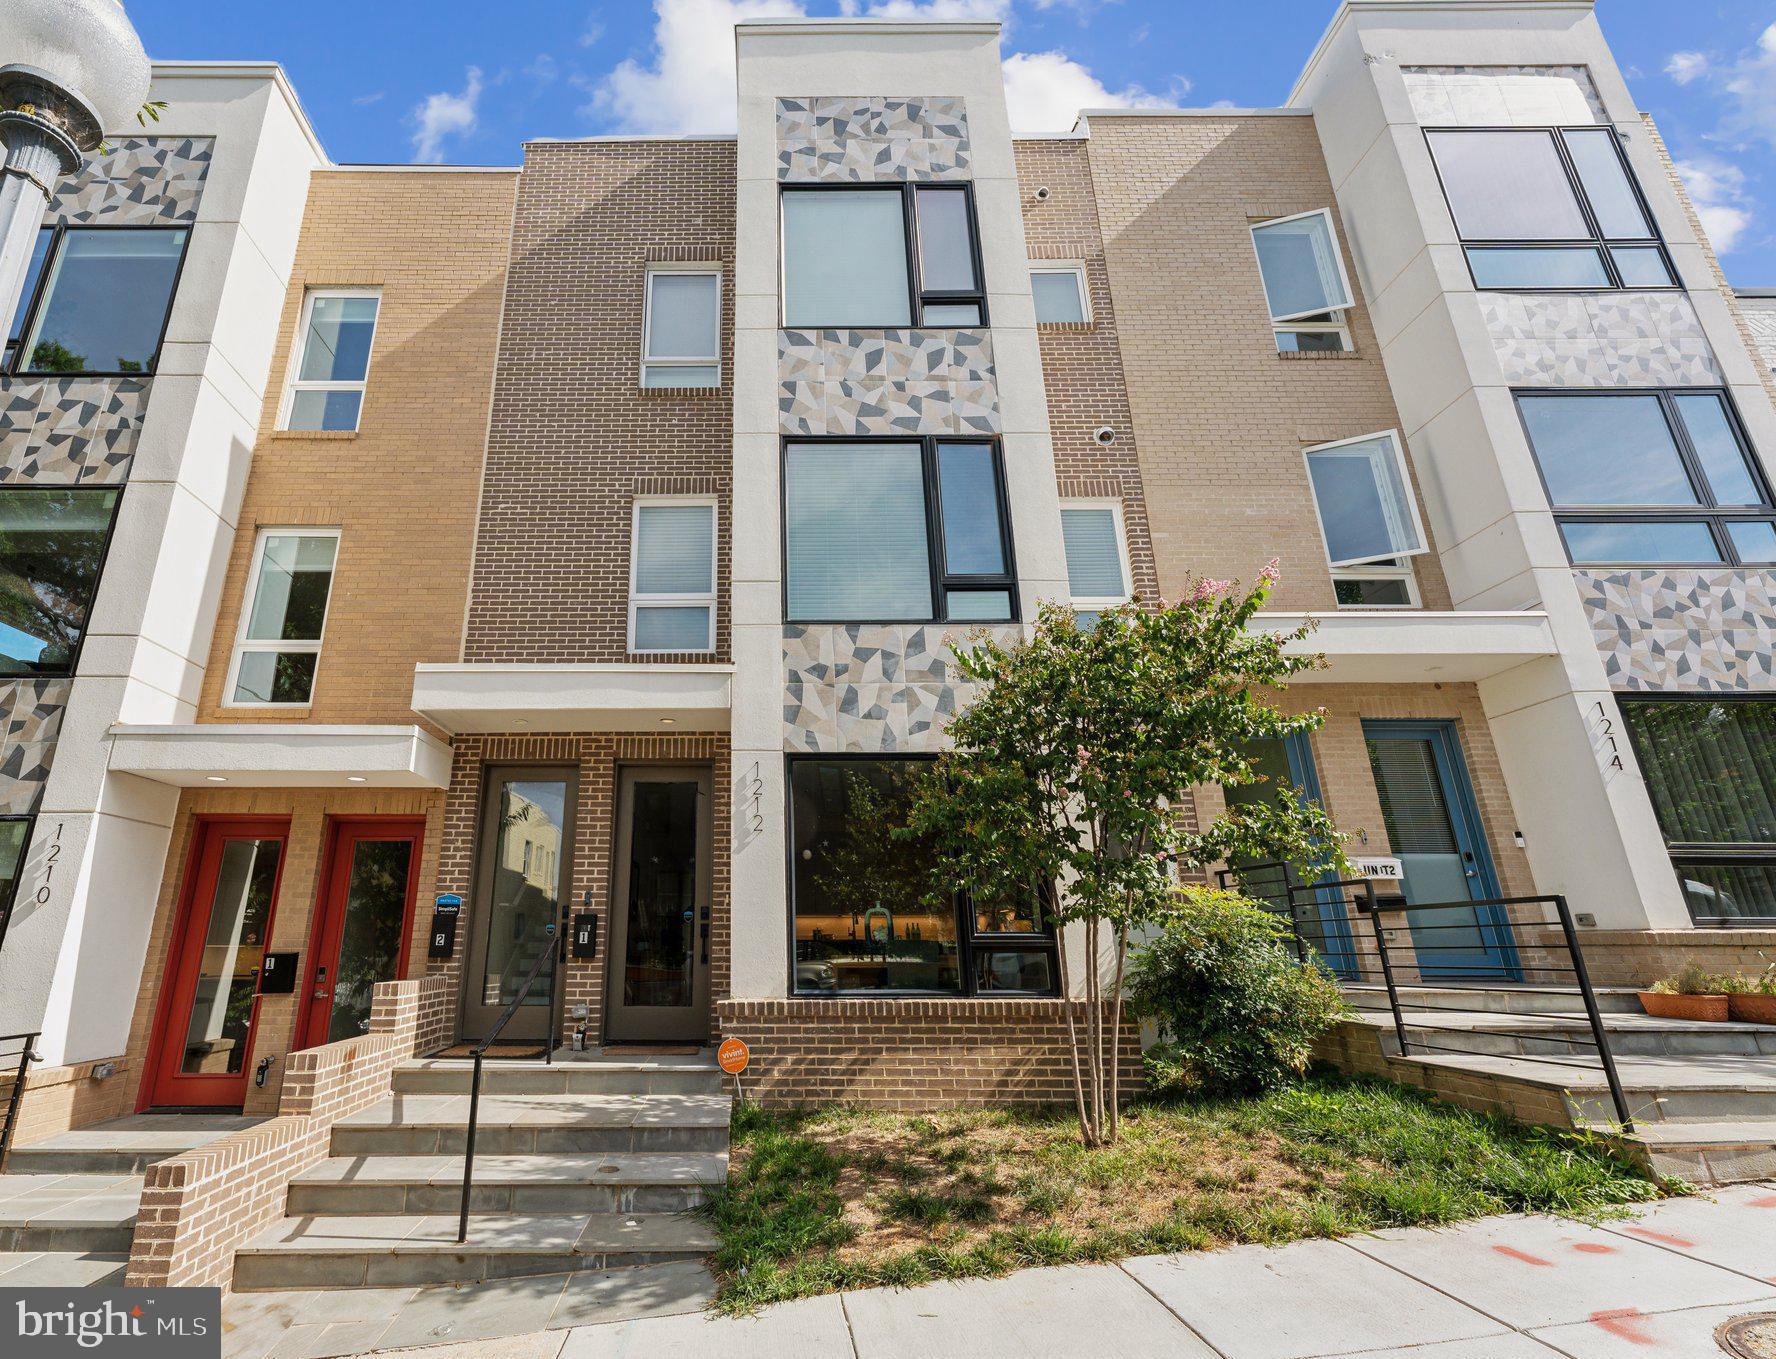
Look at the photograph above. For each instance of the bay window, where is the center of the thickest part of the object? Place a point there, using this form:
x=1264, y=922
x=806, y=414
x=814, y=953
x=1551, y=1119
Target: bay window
x=896, y=531
x=1650, y=478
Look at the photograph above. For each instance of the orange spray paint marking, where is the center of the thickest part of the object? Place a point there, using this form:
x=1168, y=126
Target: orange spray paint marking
x=1765, y=1201
x=1595, y=1248
x=1522, y=1256
x=1664, y=1240
x=1623, y=1325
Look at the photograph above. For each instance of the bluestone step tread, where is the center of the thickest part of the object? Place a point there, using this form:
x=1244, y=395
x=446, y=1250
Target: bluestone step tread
x=1695, y=1073
x=63, y=1269
x=1743, y=1133
x=492, y=1234
x=543, y=1168
x=604, y=1111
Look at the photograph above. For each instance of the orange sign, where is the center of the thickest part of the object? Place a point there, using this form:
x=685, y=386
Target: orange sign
x=732, y=1056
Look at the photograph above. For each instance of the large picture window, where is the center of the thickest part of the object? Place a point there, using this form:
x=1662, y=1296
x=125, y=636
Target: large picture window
x=1710, y=768
x=1549, y=209
x=889, y=531
x=868, y=912
x=52, y=546
x=96, y=300
x=1650, y=478
x=902, y=255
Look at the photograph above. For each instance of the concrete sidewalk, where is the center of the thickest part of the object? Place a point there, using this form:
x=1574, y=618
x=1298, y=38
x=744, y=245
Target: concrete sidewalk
x=1655, y=1286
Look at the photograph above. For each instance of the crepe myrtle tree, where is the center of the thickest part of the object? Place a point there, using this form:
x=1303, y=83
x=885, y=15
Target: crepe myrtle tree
x=1069, y=767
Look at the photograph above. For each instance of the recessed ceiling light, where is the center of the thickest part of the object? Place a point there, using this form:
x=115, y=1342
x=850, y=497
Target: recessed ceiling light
x=668, y=721
x=356, y=778
x=215, y=778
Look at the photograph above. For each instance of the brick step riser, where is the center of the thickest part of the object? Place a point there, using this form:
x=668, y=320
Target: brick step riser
x=52, y=1239
x=1493, y=1003
x=349, y=1140
x=428, y=1200
x=276, y=1272
x=563, y=1081
x=1679, y=1106
x=1622, y=1044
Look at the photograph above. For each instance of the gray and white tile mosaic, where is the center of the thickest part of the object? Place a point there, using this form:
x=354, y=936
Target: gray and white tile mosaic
x=65, y=431
x=1687, y=628
x=138, y=181
x=861, y=139
x=886, y=382
x=1599, y=340
x=30, y=720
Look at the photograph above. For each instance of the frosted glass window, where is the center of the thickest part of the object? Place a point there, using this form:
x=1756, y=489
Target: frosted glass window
x=1364, y=500
x=857, y=543
x=682, y=340
x=1093, y=540
x=672, y=577
x=1303, y=275
x=845, y=258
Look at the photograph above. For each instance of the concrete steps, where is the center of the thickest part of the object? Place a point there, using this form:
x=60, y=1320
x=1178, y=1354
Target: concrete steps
x=1514, y=999
x=62, y=1269
x=581, y=1165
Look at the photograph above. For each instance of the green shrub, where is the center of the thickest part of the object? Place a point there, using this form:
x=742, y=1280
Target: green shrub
x=1236, y=1012
x=1692, y=979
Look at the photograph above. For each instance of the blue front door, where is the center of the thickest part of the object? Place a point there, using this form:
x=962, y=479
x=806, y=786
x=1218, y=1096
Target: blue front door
x=1433, y=826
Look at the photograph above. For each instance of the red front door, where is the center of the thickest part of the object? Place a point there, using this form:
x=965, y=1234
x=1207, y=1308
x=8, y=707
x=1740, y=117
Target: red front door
x=219, y=943
x=362, y=929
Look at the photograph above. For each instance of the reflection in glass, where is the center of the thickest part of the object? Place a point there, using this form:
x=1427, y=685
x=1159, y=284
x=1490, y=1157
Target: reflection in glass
x=1508, y=186
x=1531, y=266
x=370, y=941
x=661, y=910
x=234, y=945
x=974, y=541
x=106, y=302
x=1730, y=892
x=33, y=272
x=1013, y=970
x=527, y=882
x=1704, y=415
x=1605, y=179
x=340, y=330
x=1299, y=263
x=1606, y=450
x=1710, y=769
x=1640, y=542
x=946, y=246
x=52, y=543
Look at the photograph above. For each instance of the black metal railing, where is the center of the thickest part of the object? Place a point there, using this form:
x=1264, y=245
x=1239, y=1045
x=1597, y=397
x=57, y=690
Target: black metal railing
x=546, y=956
x=1441, y=953
x=15, y=1095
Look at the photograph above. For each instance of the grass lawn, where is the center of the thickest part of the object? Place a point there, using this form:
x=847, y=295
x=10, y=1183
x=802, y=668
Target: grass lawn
x=828, y=1199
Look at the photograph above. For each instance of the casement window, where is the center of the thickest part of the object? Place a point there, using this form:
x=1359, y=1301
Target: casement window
x=681, y=327
x=1305, y=284
x=1385, y=584
x=905, y=255
x=1097, y=557
x=896, y=531
x=1062, y=297
x=672, y=576
x=1363, y=498
x=1549, y=209
x=284, y=617
x=52, y=548
x=863, y=917
x=1710, y=769
x=1651, y=478
x=332, y=365
x=96, y=300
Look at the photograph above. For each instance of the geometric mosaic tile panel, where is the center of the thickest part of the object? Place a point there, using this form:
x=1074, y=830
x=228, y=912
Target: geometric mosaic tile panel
x=65, y=431
x=1684, y=628
x=1760, y=315
x=886, y=382
x=1503, y=96
x=872, y=688
x=863, y=140
x=140, y=181
x=1599, y=340
x=30, y=720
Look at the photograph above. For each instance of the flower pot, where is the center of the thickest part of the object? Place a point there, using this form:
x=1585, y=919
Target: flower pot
x=1661, y=1006
x=1753, y=1009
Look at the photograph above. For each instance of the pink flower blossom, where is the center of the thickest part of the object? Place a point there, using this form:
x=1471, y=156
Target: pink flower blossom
x=1207, y=589
x=1272, y=569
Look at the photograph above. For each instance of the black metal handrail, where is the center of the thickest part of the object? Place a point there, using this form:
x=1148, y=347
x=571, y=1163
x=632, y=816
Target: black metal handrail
x=546, y=956
x=16, y=1096
x=1445, y=964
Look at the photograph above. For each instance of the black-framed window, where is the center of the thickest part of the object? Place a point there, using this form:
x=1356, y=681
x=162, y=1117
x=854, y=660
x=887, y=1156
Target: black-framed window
x=1710, y=769
x=97, y=301
x=15, y=843
x=1549, y=209
x=881, y=256
x=896, y=531
x=863, y=917
x=52, y=550
x=1654, y=477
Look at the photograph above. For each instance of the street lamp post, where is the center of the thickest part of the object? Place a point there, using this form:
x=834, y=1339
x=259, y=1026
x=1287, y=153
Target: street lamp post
x=69, y=69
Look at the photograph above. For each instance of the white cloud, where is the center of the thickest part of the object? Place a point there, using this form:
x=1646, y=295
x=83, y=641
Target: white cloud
x=1717, y=188
x=1683, y=67
x=1046, y=91
x=936, y=11
x=689, y=87
x=441, y=116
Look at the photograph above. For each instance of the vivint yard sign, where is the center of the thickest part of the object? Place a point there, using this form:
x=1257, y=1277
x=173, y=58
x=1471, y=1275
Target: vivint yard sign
x=125, y=1323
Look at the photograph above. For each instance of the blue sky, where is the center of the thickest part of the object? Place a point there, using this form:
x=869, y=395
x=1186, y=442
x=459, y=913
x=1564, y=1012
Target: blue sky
x=467, y=82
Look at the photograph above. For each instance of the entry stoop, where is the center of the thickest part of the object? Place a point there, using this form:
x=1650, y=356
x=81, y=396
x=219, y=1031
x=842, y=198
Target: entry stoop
x=580, y=1165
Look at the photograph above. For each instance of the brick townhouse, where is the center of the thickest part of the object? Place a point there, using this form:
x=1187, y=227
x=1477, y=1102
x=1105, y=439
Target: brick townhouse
x=565, y=559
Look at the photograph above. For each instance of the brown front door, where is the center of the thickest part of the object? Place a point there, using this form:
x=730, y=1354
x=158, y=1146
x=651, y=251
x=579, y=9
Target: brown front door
x=523, y=870
x=362, y=928
x=659, y=945
x=219, y=943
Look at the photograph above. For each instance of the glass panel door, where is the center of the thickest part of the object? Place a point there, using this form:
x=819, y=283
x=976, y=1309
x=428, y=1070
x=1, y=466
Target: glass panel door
x=660, y=917
x=361, y=929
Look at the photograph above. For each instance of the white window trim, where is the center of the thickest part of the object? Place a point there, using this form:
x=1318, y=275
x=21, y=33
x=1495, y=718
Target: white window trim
x=293, y=383
x=1103, y=603
x=1081, y=280
x=1403, y=572
x=647, y=321
x=638, y=600
x=1399, y=447
x=244, y=644
x=1338, y=326
x=1350, y=298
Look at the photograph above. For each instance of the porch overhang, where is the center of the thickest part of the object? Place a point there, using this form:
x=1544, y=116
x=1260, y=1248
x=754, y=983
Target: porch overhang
x=1414, y=646
x=281, y=755
x=560, y=698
